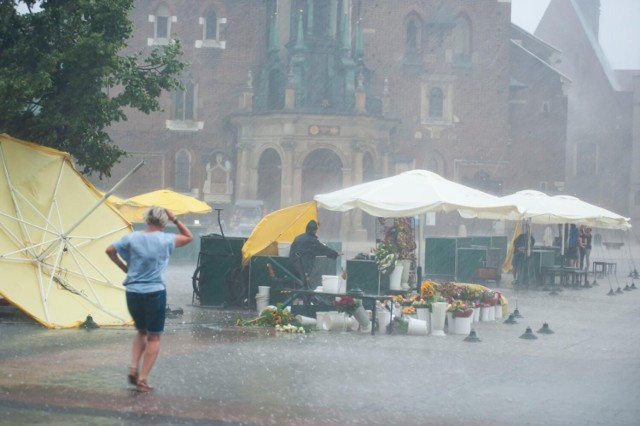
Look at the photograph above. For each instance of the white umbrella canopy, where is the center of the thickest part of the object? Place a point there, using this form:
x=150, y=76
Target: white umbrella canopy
x=541, y=208
x=415, y=192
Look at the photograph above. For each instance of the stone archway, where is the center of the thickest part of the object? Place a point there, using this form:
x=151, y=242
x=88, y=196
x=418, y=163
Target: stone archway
x=270, y=179
x=322, y=172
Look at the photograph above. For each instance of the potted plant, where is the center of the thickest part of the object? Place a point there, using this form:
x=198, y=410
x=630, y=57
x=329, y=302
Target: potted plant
x=386, y=257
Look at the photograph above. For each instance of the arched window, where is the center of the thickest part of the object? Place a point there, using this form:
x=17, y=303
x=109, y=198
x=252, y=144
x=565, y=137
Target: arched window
x=185, y=102
x=412, y=36
x=461, y=40
x=211, y=25
x=436, y=103
x=162, y=23
x=183, y=171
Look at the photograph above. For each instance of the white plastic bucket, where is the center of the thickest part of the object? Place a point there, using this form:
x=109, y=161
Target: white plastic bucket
x=384, y=318
x=261, y=303
x=330, y=284
x=283, y=248
x=417, y=327
x=395, y=278
x=306, y=320
x=462, y=325
x=264, y=290
x=334, y=321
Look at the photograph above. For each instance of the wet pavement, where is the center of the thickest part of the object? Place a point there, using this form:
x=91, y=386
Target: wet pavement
x=210, y=372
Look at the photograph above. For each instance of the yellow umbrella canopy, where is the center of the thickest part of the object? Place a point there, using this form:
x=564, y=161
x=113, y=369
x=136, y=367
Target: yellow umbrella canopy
x=54, y=229
x=134, y=208
x=282, y=225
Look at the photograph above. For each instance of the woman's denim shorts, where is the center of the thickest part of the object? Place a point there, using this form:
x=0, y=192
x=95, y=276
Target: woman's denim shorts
x=148, y=310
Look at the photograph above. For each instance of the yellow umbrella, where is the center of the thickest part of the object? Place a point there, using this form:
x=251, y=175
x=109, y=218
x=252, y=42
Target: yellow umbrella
x=282, y=225
x=134, y=208
x=54, y=229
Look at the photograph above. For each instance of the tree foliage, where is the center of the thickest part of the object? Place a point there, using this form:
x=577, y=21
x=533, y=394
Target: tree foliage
x=64, y=79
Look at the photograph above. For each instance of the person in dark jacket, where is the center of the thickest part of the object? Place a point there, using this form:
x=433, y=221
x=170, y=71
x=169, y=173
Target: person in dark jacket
x=303, y=252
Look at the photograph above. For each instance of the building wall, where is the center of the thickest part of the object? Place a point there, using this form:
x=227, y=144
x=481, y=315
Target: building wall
x=475, y=143
x=598, y=129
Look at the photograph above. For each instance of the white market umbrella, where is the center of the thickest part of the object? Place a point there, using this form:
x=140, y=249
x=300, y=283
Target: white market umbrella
x=415, y=192
x=543, y=209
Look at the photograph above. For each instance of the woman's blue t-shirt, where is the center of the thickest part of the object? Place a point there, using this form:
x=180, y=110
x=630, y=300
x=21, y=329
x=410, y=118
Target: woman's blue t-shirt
x=147, y=256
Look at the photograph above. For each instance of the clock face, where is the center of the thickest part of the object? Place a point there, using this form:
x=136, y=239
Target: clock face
x=314, y=130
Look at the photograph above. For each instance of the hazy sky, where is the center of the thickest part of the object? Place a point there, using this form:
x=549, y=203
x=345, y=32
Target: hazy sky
x=619, y=28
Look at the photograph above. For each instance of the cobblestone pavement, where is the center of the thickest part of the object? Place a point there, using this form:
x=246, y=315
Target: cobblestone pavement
x=210, y=372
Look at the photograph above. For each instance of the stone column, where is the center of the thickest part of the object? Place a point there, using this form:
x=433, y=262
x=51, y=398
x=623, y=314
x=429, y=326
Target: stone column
x=286, y=191
x=352, y=225
x=244, y=175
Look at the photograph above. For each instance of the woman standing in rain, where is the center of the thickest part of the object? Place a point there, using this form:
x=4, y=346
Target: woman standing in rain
x=144, y=256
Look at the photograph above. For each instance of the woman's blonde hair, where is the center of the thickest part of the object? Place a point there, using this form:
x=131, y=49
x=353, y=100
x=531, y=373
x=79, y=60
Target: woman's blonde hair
x=156, y=216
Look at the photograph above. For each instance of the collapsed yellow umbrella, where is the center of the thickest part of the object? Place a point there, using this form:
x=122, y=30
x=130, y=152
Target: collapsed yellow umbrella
x=54, y=229
x=134, y=208
x=282, y=225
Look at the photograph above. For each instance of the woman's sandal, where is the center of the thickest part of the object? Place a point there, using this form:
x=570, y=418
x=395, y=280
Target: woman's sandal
x=133, y=376
x=143, y=386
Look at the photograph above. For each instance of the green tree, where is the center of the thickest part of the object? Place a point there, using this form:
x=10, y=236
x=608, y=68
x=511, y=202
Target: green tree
x=64, y=79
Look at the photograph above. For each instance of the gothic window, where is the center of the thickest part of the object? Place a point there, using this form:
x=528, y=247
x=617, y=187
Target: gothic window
x=183, y=171
x=161, y=26
x=436, y=103
x=211, y=30
x=413, y=37
x=211, y=25
x=461, y=40
x=185, y=102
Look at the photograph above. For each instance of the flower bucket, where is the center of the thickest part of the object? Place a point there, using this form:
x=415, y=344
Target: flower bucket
x=384, y=318
x=261, y=302
x=395, y=278
x=320, y=319
x=406, y=271
x=498, y=313
x=422, y=313
x=283, y=248
x=492, y=313
x=330, y=284
x=417, y=327
x=264, y=290
x=438, y=318
x=450, y=321
x=476, y=314
x=462, y=325
x=333, y=321
x=306, y=320
x=362, y=316
x=484, y=312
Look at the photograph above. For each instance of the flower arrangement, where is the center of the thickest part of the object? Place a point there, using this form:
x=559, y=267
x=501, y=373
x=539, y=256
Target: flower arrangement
x=404, y=238
x=272, y=317
x=489, y=297
x=346, y=304
x=460, y=309
x=386, y=257
x=449, y=291
x=409, y=310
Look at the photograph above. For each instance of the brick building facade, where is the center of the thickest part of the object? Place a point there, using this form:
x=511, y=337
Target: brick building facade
x=285, y=99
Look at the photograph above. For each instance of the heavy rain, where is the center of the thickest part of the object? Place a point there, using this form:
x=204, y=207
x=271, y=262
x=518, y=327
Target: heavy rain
x=470, y=168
